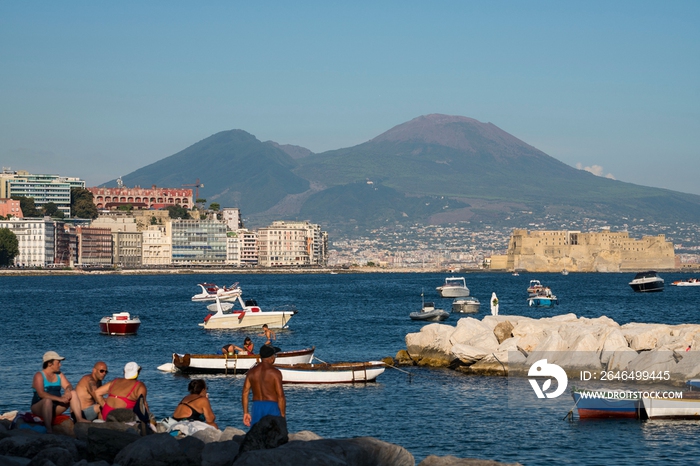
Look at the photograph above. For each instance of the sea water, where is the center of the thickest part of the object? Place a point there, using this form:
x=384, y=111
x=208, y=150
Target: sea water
x=348, y=317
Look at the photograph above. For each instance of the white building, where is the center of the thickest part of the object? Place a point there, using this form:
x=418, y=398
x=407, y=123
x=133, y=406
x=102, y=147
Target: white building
x=232, y=217
x=234, y=242
x=156, y=247
x=285, y=244
x=42, y=188
x=248, y=255
x=36, y=238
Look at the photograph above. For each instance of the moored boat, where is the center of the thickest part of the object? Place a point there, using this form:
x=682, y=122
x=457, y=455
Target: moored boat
x=331, y=373
x=688, y=282
x=454, y=287
x=210, y=292
x=224, y=316
x=534, y=287
x=120, y=323
x=686, y=406
x=605, y=404
x=648, y=281
x=232, y=364
x=543, y=298
x=430, y=313
x=468, y=305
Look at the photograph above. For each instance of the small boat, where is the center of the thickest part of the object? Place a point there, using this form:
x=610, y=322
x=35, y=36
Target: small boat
x=231, y=364
x=515, y=274
x=223, y=316
x=605, y=404
x=543, y=298
x=534, y=287
x=648, y=281
x=326, y=373
x=429, y=313
x=211, y=291
x=121, y=323
x=565, y=272
x=685, y=407
x=468, y=305
x=688, y=282
x=454, y=287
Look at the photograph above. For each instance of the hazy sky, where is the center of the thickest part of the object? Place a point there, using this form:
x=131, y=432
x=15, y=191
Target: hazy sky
x=100, y=89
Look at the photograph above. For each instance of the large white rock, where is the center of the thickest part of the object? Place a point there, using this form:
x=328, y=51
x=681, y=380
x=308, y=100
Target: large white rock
x=644, y=337
x=615, y=341
x=469, y=354
x=491, y=321
x=653, y=361
x=467, y=328
x=484, y=340
x=620, y=358
x=432, y=341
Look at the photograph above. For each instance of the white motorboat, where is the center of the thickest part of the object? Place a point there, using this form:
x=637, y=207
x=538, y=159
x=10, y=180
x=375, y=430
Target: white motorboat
x=688, y=282
x=645, y=282
x=534, y=288
x=430, y=313
x=120, y=323
x=468, y=305
x=454, y=287
x=211, y=291
x=327, y=373
x=231, y=364
x=225, y=316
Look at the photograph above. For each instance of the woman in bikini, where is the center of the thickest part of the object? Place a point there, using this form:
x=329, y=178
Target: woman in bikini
x=124, y=393
x=196, y=406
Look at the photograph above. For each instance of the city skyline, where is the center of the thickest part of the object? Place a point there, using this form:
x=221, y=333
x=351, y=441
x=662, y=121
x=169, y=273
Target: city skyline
x=98, y=90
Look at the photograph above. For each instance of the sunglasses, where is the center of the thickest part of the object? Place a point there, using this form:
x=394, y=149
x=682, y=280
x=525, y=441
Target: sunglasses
x=104, y=371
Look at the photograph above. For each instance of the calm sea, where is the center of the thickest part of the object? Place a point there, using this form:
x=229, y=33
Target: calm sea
x=348, y=317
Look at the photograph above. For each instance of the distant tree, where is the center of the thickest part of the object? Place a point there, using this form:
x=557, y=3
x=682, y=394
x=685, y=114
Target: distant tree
x=200, y=201
x=51, y=210
x=126, y=207
x=371, y=264
x=81, y=204
x=154, y=220
x=215, y=206
x=27, y=206
x=177, y=211
x=9, y=246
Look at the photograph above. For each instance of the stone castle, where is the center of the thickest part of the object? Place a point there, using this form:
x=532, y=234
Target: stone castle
x=603, y=251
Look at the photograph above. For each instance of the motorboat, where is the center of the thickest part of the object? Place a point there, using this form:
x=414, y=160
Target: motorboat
x=210, y=292
x=225, y=315
x=231, y=364
x=688, y=282
x=648, y=281
x=534, y=287
x=565, y=272
x=543, y=298
x=607, y=404
x=454, y=287
x=430, y=313
x=468, y=305
x=685, y=407
x=120, y=323
x=327, y=373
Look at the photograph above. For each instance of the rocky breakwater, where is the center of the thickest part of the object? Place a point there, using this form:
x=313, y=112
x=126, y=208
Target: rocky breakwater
x=499, y=345
x=267, y=442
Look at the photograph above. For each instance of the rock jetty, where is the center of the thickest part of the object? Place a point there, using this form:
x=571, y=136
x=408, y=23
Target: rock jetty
x=499, y=345
x=267, y=442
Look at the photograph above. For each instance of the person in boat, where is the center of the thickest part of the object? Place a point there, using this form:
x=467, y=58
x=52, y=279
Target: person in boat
x=125, y=392
x=48, y=383
x=248, y=348
x=196, y=406
x=90, y=391
x=265, y=381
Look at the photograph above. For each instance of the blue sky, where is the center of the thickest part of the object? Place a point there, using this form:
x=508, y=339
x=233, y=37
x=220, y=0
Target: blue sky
x=98, y=90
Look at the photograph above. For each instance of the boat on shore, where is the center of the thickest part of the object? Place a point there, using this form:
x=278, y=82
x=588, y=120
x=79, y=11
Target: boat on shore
x=224, y=316
x=120, y=323
x=331, y=373
x=688, y=282
x=210, y=292
x=231, y=364
x=454, y=287
x=429, y=313
x=468, y=305
x=645, y=282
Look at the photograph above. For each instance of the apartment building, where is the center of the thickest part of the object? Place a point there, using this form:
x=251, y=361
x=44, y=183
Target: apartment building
x=127, y=248
x=156, y=246
x=10, y=207
x=94, y=246
x=289, y=244
x=42, y=188
x=36, y=239
x=200, y=242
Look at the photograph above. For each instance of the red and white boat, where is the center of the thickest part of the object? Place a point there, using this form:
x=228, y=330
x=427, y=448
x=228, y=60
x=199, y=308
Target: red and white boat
x=688, y=282
x=210, y=292
x=121, y=323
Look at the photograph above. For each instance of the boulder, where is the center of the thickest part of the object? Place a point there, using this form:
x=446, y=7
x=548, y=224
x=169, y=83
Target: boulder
x=29, y=444
x=469, y=354
x=104, y=443
x=614, y=341
x=653, y=361
x=485, y=340
x=498, y=363
x=268, y=432
x=153, y=450
x=229, y=433
x=305, y=436
x=56, y=455
x=644, y=337
x=433, y=460
x=192, y=448
x=81, y=429
x=122, y=415
x=431, y=343
x=503, y=331
x=220, y=453
x=468, y=328
x=362, y=451
x=404, y=359
x=13, y=461
x=619, y=359
x=208, y=435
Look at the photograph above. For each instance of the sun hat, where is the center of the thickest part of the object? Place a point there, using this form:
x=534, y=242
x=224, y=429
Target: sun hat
x=131, y=370
x=51, y=355
x=267, y=351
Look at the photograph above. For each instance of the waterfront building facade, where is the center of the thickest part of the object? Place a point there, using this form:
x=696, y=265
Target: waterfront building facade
x=285, y=244
x=127, y=248
x=200, y=242
x=141, y=198
x=94, y=246
x=36, y=238
x=603, y=251
x=248, y=253
x=42, y=188
x=233, y=248
x=156, y=246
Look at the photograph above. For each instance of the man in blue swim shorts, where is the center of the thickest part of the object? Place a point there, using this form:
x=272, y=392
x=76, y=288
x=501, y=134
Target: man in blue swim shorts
x=265, y=380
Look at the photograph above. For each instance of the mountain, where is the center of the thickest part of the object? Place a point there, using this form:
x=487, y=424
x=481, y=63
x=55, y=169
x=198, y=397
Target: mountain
x=433, y=169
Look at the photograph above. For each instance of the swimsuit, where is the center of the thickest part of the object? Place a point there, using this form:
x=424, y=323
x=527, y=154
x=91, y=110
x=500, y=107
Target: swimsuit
x=90, y=413
x=194, y=416
x=261, y=409
x=106, y=409
x=52, y=388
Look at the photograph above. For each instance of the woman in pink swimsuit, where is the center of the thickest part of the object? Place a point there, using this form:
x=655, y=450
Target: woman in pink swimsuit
x=125, y=392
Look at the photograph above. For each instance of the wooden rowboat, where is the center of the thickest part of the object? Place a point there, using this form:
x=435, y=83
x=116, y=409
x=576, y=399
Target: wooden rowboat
x=233, y=364
x=327, y=373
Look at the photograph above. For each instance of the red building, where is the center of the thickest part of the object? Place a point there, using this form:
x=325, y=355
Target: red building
x=142, y=198
x=10, y=207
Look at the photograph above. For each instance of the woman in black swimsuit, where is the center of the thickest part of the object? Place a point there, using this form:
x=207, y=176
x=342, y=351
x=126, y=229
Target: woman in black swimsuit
x=196, y=406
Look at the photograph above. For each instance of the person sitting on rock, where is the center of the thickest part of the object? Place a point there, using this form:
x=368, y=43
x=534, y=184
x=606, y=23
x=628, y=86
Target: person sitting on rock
x=91, y=391
x=124, y=393
x=196, y=406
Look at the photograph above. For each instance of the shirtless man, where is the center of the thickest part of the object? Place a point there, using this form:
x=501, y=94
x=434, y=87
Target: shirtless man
x=266, y=382
x=91, y=392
